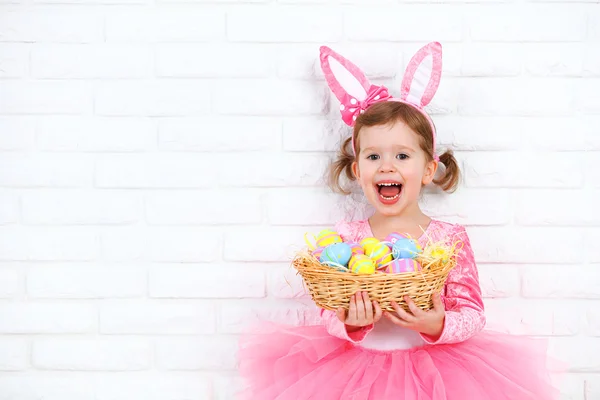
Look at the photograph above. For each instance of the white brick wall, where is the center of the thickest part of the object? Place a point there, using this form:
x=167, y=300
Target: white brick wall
x=160, y=162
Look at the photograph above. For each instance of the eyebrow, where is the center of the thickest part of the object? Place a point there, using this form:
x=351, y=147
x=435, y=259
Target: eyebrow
x=400, y=147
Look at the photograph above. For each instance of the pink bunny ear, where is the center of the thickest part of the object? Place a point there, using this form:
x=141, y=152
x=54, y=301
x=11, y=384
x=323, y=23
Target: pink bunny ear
x=350, y=85
x=422, y=76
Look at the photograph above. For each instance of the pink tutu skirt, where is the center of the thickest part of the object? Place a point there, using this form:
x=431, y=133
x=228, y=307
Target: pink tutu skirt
x=301, y=363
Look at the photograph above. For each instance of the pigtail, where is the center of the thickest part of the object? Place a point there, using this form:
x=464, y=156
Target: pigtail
x=342, y=165
x=451, y=174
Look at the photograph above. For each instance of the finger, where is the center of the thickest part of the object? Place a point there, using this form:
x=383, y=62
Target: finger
x=416, y=311
x=360, y=307
x=437, y=302
x=378, y=311
x=352, y=310
x=396, y=320
x=402, y=314
x=341, y=314
x=368, y=306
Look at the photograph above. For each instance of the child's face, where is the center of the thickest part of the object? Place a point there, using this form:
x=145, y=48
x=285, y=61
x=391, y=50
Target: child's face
x=391, y=167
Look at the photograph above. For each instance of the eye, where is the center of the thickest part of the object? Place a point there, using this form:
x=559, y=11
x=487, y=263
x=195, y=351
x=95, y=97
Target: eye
x=373, y=157
x=402, y=156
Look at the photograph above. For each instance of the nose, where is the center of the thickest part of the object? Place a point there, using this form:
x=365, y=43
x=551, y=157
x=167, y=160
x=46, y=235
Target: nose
x=387, y=165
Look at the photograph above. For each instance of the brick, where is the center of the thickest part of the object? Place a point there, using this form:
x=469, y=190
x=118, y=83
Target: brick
x=243, y=134
x=154, y=386
x=89, y=61
x=464, y=206
x=155, y=171
x=571, y=386
x=34, y=318
x=227, y=386
x=152, y=98
x=444, y=23
x=540, y=281
x=593, y=25
x=581, y=355
x=543, y=59
x=268, y=97
x=210, y=353
x=14, y=60
x=593, y=319
x=42, y=170
x=527, y=245
x=491, y=59
x=300, y=134
x=129, y=317
x=14, y=354
x=591, y=60
x=172, y=244
x=499, y=280
x=47, y=244
x=81, y=207
x=285, y=283
x=236, y=316
x=214, y=60
x=10, y=283
x=296, y=206
x=17, y=133
x=86, y=282
x=506, y=169
x=587, y=99
x=592, y=237
x=9, y=207
x=45, y=97
x=181, y=208
x=548, y=207
x=110, y=354
x=517, y=97
x=534, y=317
x=248, y=244
x=592, y=387
x=526, y=23
x=96, y=134
x=51, y=25
x=283, y=24
x=165, y=25
x=207, y=281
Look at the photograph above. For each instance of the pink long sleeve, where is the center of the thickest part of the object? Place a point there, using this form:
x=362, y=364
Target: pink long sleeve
x=337, y=328
x=462, y=297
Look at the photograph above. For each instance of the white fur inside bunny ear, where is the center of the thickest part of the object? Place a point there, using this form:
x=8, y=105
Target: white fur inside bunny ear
x=422, y=77
x=343, y=77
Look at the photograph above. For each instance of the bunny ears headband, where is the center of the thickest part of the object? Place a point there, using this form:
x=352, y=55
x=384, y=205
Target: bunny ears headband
x=356, y=93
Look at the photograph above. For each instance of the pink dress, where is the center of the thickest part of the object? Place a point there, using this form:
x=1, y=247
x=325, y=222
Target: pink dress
x=386, y=361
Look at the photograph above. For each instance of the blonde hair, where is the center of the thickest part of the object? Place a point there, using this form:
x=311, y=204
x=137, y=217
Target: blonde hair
x=384, y=113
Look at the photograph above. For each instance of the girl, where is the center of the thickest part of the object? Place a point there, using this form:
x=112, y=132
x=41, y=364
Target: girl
x=362, y=352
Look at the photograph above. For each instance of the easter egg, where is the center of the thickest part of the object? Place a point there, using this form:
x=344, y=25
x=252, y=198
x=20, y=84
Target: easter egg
x=394, y=237
x=337, y=253
x=403, y=265
x=317, y=252
x=438, y=253
x=368, y=244
x=362, y=264
x=406, y=248
x=356, y=248
x=381, y=254
x=327, y=237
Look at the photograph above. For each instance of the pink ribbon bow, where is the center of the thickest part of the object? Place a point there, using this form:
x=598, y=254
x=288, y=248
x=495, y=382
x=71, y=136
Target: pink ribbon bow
x=351, y=108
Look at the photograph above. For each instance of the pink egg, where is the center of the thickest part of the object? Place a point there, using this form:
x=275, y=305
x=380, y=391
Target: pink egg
x=393, y=237
x=403, y=265
x=318, y=251
x=356, y=248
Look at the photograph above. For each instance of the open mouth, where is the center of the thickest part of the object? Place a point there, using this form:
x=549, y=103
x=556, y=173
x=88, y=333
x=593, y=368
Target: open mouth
x=389, y=190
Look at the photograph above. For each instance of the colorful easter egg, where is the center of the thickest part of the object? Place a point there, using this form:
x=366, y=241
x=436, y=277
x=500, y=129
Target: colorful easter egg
x=318, y=251
x=394, y=237
x=403, y=265
x=381, y=254
x=327, y=237
x=406, y=248
x=337, y=253
x=368, y=243
x=438, y=253
x=356, y=248
x=362, y=264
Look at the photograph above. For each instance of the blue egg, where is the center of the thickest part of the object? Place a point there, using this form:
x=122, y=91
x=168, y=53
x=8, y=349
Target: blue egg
x=406, y=248
x=338, y=253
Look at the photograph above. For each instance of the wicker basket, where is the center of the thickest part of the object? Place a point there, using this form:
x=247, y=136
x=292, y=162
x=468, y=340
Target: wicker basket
x=331, y=289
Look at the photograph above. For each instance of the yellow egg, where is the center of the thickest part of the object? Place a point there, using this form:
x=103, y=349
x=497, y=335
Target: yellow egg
x=368, y=244
x=361, y=264
x=381, y=254
x=327, y=237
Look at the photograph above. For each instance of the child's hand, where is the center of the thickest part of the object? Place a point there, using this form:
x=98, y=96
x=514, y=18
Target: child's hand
x=362, y=312
x=430, y=322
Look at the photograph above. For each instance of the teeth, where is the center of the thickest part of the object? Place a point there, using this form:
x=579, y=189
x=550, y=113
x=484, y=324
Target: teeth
x=391, y=198
x=388, y=184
